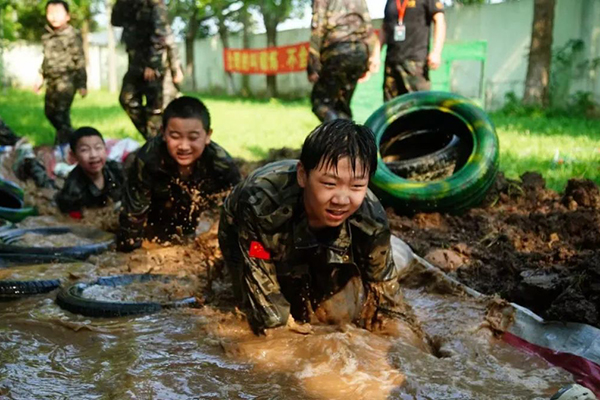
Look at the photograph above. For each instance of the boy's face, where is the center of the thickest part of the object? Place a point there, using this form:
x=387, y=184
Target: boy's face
x=57, y=16
x=90, y=153
x=186, y=140
x=332, y=195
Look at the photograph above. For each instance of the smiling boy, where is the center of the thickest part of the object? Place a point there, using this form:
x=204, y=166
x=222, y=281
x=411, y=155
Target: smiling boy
x=174, y=177
x=306, y=240
x=94, y=180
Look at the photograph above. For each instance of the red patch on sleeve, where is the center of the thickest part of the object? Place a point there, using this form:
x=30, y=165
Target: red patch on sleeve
x=258, y=251
x=76, y=215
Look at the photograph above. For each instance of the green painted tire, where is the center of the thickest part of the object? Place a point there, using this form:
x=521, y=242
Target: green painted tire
x=475, y=172
x=11, y=203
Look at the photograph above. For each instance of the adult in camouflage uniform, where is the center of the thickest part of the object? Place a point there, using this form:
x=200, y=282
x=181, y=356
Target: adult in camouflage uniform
x=158, y=203
x=145, y=32
x=284, y=263
x=406, y=31
x=63, y=68
x=342, y=39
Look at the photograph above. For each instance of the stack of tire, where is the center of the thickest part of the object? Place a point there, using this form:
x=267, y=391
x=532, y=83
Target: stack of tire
x=12, y=207
x=438, y=152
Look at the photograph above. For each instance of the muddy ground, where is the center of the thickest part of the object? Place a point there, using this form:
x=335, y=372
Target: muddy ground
x=528, y=244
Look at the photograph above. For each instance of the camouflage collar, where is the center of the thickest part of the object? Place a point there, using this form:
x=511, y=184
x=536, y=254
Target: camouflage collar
x=61, y=31
x=304, y=238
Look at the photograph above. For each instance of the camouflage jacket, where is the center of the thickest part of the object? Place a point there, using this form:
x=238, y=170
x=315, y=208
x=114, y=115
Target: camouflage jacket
x=64, y=56
x=80, y=192
x=267, y=212
x=145, y=30
x=157, y=199
x=338, y=21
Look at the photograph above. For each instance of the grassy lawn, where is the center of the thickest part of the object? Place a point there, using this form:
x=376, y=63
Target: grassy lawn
x=249, y=128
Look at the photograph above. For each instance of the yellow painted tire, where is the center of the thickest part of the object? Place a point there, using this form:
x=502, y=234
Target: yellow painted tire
x=475, y=172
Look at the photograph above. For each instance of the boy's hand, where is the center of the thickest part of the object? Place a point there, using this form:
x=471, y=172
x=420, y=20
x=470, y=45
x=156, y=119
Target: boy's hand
x=149, y=74
x=83, y=92
x=178, y=78
x=39, y=82
x=313, y=78
x=303, y=329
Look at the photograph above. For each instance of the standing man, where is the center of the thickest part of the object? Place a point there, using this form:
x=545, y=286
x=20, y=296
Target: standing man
x=343, y=47
x=406, y=31
x=145, y=31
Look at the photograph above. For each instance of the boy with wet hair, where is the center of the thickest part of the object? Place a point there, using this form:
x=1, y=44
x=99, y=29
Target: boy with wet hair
x=174, y=177
x=306, y=240
x=94, y=180
x=63, y=68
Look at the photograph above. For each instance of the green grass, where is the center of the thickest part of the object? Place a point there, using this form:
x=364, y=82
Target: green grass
x=249, y=128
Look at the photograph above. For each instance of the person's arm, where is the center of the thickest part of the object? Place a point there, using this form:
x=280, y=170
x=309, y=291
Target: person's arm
x=39, y=82
x=318, y=27
x=173, y=59
x=70, y=198
x=136, y=199
x=78, y=56
x=434, y=58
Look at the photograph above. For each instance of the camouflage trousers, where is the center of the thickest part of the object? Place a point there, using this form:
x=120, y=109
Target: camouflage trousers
x=342, y=65
x=59, y=97
x=403, y=77
x=145, y=116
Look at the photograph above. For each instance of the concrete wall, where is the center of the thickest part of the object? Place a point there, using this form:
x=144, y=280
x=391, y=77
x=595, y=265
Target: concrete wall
x=506, y=27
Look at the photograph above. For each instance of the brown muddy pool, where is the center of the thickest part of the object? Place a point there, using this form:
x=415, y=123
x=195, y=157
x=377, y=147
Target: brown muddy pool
x=209, y=353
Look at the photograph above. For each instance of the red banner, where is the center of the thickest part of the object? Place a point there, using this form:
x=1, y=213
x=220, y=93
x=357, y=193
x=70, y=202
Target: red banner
x=269, y=61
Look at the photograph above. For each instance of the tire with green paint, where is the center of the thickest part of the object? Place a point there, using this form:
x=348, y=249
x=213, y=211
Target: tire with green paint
x=476, y=166
x=11, y=203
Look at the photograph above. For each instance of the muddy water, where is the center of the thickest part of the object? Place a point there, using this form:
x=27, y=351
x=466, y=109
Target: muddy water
x=210, y=353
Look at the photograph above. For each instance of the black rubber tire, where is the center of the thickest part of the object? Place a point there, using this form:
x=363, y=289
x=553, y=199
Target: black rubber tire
x=11, y=203
x=17, y=289
x=104, y=241
x=476, y=169
x=71, y=300
x=435, y=165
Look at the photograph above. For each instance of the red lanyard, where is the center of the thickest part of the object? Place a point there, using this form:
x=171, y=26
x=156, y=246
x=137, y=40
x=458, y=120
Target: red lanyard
x=401, y=5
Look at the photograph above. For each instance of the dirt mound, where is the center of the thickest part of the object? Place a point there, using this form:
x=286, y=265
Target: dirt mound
x=526, y=243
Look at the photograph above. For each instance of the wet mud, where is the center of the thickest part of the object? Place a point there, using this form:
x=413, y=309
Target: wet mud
x=527, y=244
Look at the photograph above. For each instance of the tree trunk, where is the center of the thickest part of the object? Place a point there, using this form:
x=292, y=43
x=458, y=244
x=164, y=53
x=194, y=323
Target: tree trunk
x=224, y=34
x=190, y=38
x=540, y=54
x=271, y=28
x=245, y=19
x=112, y=56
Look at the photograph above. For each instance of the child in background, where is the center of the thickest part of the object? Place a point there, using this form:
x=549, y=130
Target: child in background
x=174, y=177
x=94, y=180
x=63, y=68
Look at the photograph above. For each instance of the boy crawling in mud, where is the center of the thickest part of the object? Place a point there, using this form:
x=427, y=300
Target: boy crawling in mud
x=94, y=181
x=307, y=241
x=174, y=177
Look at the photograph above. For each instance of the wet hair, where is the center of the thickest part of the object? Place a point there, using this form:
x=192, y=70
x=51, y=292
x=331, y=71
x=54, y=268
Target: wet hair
x=64, y=4
x=187, y=107
x=334, y=140
x=82, y=132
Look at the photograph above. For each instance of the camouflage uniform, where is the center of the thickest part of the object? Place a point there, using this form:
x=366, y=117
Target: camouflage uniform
x=80, y=192
x=64, y=72
x=7, y=136
x=158, y=202
x=172, y=66
x=406, y=68
x=145, y=32
x=279, y=266
x=27, y=166
x=340, y=44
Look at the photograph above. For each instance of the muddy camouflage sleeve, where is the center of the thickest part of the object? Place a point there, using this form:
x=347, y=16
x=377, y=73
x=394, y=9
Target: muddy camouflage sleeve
x=259, y=283
x=78, y=57
x=318, y=30
x=134, y=208
x=70, y=197
x=173, y=60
